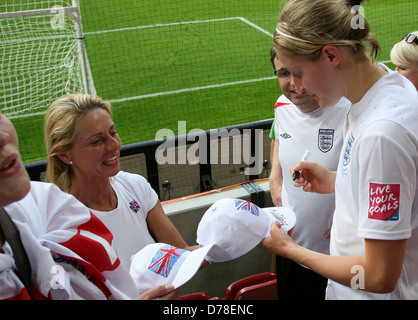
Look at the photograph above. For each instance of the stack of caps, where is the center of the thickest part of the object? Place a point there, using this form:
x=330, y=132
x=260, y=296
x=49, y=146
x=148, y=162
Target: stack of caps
x=235, y=226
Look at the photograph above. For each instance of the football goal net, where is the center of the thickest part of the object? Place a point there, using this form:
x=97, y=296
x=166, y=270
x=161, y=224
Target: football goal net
x=42, y=54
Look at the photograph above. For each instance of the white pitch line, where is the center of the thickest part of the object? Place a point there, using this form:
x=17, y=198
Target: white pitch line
x=256, y=26
x=151, y=95
x=161, y=25
x=195, y=88
x=180, y=90
x=157, y=94
x=191, y=89
x=173, y=91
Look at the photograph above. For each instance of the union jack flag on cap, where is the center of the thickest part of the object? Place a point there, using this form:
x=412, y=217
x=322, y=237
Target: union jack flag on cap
x=165, y=259
x=247, y=205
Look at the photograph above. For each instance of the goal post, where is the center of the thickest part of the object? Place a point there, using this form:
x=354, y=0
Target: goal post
x=43, y=55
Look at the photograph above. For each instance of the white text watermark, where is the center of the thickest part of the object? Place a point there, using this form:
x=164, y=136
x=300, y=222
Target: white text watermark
x=217, y=151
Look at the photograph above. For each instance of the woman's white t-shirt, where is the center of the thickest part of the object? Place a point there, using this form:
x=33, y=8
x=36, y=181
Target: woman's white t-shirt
x=128, y=222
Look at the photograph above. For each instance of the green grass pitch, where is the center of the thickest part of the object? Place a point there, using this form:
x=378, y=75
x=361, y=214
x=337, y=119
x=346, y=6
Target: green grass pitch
x=203, y=62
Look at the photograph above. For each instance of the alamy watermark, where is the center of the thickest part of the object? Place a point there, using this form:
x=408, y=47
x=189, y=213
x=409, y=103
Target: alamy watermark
x=358, y=21
x=217, y=148
x=58, y=20
x=58, y=277
x=357, y=281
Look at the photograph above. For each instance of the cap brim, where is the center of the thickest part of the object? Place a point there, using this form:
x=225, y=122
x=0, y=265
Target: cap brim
x=190, y=265
x=283, y=215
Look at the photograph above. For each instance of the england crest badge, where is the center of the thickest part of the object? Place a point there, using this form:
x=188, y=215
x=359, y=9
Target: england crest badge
x=325, y=139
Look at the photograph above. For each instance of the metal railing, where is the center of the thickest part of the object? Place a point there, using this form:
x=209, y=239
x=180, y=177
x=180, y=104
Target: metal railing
x=148, y=148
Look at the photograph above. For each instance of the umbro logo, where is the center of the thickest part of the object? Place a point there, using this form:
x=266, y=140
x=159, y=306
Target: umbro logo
x=285, y=135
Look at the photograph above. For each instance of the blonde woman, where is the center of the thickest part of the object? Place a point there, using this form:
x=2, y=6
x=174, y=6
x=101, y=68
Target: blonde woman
x=83, y=159
x=404, y=55
x=374, y=235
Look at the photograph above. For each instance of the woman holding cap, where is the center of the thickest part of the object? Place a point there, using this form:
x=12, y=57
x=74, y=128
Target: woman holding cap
x=374, y=236
x=60, y=238
x=83, y=159
x=404, y=55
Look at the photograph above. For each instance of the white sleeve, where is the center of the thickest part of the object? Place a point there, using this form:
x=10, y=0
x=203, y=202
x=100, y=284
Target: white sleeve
x=387, y=181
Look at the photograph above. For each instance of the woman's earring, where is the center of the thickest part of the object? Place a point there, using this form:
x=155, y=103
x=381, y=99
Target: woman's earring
x=71, y=162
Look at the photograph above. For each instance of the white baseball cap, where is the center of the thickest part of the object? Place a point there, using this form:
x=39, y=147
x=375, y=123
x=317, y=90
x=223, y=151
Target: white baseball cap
x=235, y=226
x=163, y=264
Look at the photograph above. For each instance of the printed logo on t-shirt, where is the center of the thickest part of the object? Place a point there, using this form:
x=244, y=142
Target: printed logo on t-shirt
x=384, y=201
x=347, y=154
x=325, y=139
x=134, y=206
x=285, y=135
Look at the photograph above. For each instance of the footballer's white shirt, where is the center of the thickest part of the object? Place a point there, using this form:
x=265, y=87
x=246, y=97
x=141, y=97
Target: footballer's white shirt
x=320, y=132
x=376, y=184
x=128, y=222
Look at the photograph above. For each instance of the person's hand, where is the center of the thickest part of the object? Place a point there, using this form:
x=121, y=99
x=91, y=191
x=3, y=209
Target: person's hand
x=161, y=293
x=279, y=242
x=276, y=192
x=314, y=177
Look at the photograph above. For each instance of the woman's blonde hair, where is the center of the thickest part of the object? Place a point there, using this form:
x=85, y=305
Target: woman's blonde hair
x=60, y=129
x=405, y=54
x=305, y=26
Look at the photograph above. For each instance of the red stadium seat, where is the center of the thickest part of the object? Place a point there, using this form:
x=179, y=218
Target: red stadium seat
x=256, y=279
x=261, y=291
x=198, y=296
